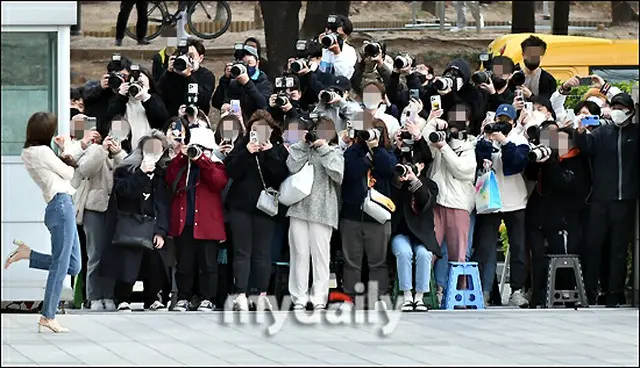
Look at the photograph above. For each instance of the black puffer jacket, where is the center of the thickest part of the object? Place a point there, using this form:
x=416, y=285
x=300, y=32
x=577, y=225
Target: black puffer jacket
x=254, y=95
x=614, y=158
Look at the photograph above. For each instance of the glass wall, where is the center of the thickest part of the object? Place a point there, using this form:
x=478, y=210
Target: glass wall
x=28, y=83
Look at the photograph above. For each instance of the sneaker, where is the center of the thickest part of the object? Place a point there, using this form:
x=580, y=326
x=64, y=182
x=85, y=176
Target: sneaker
x=319, y=307
x=118, y=42
x=96, y=306
x=241, y=303
x=181, y=306
x=517, y=299
x=440, y=295
x=299, y=306
x=264, y=304
x=420, y=306
x=156, y=305
x=205, y=306
x=487, y=299
x=109, y=305
x=124, y=307
x=407, y=306
x=143, y=42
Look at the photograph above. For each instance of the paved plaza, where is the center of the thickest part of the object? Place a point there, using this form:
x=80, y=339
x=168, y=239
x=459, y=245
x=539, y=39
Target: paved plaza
x=594, y=336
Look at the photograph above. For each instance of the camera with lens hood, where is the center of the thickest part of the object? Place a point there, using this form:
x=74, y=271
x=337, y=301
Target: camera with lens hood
x=539, y=153
x=372, y=49
x=327, y=96
x=517, y=78
x=444, y=83
x=401, y=170
x=183, y=60
x=192, y=100
x=238, y=69
x=134, y=78
x=281, y=86
x=498, y=127
x=193, y=151
x=445, y=135
x=402, y=61
x=298, y=65
x=368, y=135
x=481, y=76
x=329, y=39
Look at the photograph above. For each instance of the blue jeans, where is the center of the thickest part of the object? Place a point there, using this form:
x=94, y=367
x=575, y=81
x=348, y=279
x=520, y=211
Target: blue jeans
x=65, y=258
x=404, y=250
x=441, y=268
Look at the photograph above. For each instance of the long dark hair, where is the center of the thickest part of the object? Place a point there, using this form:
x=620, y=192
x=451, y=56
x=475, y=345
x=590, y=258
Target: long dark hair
x=263, y=115
x=41, y=128
x=236, y=125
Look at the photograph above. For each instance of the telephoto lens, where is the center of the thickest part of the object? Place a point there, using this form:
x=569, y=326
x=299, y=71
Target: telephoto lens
x=114, y=81
x=503, y=128
x=442, y=83
x=281, y=100
x=369, y=135
x=327, y=96
x=517, y=78
x=371, y=49
x=400, y=170
x=311, y=136
x=191, y=110
x=539, y=153
x=297, y=66
x=134, y=89
x=180, y=63
x=237, y=70
x=438, y=136
x=193, y=151
x=401, y=62
x=328, y=40
x=480, y=77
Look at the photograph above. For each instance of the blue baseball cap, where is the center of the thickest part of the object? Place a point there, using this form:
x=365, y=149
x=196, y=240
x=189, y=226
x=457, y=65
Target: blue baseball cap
x=507, y=110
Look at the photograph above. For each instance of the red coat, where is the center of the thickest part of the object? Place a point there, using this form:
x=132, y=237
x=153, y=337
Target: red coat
x=208, y=217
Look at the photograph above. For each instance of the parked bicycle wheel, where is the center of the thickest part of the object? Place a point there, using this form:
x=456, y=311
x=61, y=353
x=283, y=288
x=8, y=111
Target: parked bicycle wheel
x=157, y=13
x=209, y=19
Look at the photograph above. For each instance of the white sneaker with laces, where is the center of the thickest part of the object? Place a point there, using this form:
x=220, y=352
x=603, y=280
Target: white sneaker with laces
x=109, y=305
x=181, y=306
x=517, y=299
x=156, y=305
x=124, y=307
x=205, y=306
x=241, y=303
x=264, y=304
x=96, y=306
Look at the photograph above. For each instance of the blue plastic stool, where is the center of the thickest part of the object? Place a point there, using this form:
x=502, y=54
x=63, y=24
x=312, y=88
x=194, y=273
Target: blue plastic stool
x=471, y=297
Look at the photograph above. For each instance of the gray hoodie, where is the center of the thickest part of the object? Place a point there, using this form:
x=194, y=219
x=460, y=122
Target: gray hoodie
x=322, y=204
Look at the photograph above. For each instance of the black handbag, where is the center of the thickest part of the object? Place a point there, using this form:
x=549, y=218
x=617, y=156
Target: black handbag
x=135, y=229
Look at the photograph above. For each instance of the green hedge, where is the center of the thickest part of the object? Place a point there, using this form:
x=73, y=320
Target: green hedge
x=576, y=93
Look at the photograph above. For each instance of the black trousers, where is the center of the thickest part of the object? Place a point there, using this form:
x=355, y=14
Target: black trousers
x=123, y=17
x=610, y=231
x=485, y=238
x=84, y=259
x=196, y=258
x=565, y=240
x=252, y=239
x=153, y=276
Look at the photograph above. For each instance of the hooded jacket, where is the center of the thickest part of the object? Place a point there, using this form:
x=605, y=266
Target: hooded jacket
x=475, y=98
x=454, y=171
x=253, y=96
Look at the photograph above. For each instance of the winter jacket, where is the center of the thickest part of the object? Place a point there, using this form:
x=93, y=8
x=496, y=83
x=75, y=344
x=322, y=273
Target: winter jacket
x=208, y=219
x=357, y=163
x=96, y=104
x=322, y=205
x=614, y=161
x=173, y=89
x=508, y=162
x=454, y=172
x=253, y=96
x=155, y=111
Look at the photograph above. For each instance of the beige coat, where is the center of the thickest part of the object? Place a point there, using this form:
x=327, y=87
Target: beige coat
x=93, y=180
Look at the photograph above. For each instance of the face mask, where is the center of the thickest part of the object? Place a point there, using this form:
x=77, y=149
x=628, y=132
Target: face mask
x=532, y=64
x=620, y=117
x=537, y=117
x=498, y=83
x=251, y=70
x=152, y=156
x=371, y=100
x=74, y=112
x=196, y=65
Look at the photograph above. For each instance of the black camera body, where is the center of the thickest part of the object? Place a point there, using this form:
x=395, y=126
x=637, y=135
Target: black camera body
x=183, y=59
x=327, y=96
x=238, y=69
x=311, y=136
x=281, y=86
x=372, y=49
x=238, y=51
x=193, y=151
x=134, y=79
x=333, y=23
x=498, y=127
x=329, y=39
x=115, y=80
x=298, y=65
x=401, y=170
x=402, y=61
x=481, y=76
x=517, y=78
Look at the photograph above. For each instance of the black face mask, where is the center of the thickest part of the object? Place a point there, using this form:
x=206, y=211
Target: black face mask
x=422, y=78
x=498, y=83
x=532, y=64
x=74, y=112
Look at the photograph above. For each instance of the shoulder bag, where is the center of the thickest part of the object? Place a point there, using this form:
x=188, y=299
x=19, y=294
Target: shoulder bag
x=376, y=204
x=297, y=186
x=135, y=230
x=268, y=200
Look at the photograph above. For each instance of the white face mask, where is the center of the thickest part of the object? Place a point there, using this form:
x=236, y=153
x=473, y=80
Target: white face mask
x=620, y=117
x=538, y=118
x=455, y=143
x=152, y=157
x=196, y=65
x=371, y=100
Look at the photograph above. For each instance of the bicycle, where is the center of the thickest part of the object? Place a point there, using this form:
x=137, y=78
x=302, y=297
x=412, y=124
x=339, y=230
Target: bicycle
x=160, y=17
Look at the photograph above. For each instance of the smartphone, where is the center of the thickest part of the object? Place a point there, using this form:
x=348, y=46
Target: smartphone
x=410, y=116
x=436, y=103
x=235, y=106
x=570, y=115
x=591, y=120
x=519, y=95
x=414, y=93
x=225, y=142
x=491, y=116
x=529, y=107
x=585, y=81
x=253, y=137
x=192, y=89
x=90, y=123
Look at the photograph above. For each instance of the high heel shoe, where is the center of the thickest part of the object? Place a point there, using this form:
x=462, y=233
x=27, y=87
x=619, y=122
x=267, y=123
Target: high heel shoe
x=16, y=254
x=52, y=325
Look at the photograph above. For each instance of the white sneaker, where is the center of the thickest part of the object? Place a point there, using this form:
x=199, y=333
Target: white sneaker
x=124, y=307
x=109, y=305
x=205, y=306
x=96, y=306
x=264, y=304
x=181, y=306
x=517, y=299
x=241, y=303
x=156, y=305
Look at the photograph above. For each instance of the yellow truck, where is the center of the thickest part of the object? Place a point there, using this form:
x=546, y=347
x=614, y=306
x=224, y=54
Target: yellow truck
x=566, y=56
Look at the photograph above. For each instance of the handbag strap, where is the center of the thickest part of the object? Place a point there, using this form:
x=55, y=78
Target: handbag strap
x=264, y=185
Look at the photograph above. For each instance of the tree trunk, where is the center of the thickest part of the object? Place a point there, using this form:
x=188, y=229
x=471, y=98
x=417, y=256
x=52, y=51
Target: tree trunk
x=281, y=32
x=561, y=18
x=621, y=12
x=429, y=7
x=342, y=7
x=523, y=17
x=315, y=17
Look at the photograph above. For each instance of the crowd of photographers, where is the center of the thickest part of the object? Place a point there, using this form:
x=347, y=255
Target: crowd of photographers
x=353, y=163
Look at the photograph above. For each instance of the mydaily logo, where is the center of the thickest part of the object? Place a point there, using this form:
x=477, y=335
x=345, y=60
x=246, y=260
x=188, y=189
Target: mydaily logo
x=336, y=314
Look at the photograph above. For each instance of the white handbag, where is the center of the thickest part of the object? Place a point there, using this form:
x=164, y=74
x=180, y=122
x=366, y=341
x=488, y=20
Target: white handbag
x=297, y=186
